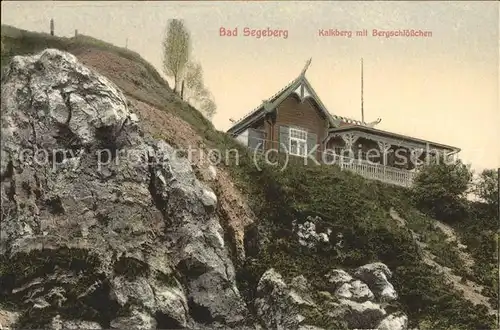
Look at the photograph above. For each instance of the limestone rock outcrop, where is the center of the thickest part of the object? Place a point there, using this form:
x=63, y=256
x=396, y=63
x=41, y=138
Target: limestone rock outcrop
x=348, y=303
x=108, y=225
x=105, y=227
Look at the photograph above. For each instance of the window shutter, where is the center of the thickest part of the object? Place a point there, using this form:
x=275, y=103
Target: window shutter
x=312, y=140
x=252, y=139
x=255, y=139
x=284, y=139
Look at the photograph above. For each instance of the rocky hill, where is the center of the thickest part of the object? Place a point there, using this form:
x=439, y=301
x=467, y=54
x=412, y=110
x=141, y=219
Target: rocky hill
x=107, y=222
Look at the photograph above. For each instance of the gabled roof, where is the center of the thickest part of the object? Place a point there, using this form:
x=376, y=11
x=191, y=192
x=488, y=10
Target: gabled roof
x=274, y=101
x=263, y=108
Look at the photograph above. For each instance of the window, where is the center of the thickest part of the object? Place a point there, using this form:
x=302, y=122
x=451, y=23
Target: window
x=298, y=142
x=256, y=139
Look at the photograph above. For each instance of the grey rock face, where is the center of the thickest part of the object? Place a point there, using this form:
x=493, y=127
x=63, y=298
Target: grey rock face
x=60, y=324
x=136, y=319
x=361, y=301
x=364, y=315
x=292, y=306
x=307, y=234
x=338, y=276
x=8, y=319
x=355, y=290
x=277, y=305
x=377, y=276
x=397, y=321
x=212, y=172
x=126, y=234
x=111, y=228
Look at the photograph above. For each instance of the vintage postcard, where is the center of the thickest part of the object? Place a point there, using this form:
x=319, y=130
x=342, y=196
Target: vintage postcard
x=309, y=165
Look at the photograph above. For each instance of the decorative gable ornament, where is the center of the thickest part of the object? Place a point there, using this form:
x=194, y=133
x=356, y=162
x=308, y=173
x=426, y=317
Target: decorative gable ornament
x=302, y=92
x=303, y=73
x=268, y=106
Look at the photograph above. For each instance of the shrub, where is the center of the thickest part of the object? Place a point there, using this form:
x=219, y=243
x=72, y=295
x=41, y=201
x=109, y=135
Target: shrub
x=486, y=188
x=440, y=190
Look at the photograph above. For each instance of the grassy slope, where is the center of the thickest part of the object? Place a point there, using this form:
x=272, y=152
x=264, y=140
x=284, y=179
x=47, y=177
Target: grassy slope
x=359, y=209
x=145, y=85
x=347, y=204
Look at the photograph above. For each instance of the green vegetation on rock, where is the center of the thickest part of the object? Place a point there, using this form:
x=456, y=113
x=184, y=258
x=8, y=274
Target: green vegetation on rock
x=353, y=208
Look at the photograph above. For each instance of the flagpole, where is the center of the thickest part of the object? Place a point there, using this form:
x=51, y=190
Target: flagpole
x=362, y=109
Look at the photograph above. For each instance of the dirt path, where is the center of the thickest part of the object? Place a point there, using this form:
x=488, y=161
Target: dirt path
x=470, y=290
x=453, y=237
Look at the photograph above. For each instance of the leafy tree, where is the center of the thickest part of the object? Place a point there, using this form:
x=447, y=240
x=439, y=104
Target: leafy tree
x=176, y=50
x=487, y=186
x=440, y=189
x=194, y=78
x=198, y=94
x=177, y=64
x=207, y=103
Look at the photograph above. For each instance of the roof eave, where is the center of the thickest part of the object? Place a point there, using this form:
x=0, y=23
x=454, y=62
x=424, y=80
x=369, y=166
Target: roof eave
x=245, y=123
x=420, y=141
x=258, y=112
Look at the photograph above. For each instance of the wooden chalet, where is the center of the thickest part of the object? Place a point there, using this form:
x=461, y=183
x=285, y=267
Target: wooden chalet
x=296, y=122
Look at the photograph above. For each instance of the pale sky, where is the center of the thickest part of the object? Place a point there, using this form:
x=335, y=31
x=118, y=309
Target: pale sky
x=443, y=88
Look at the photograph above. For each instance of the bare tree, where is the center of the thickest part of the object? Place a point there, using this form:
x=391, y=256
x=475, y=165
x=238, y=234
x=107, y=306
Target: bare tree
x=176, y=50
